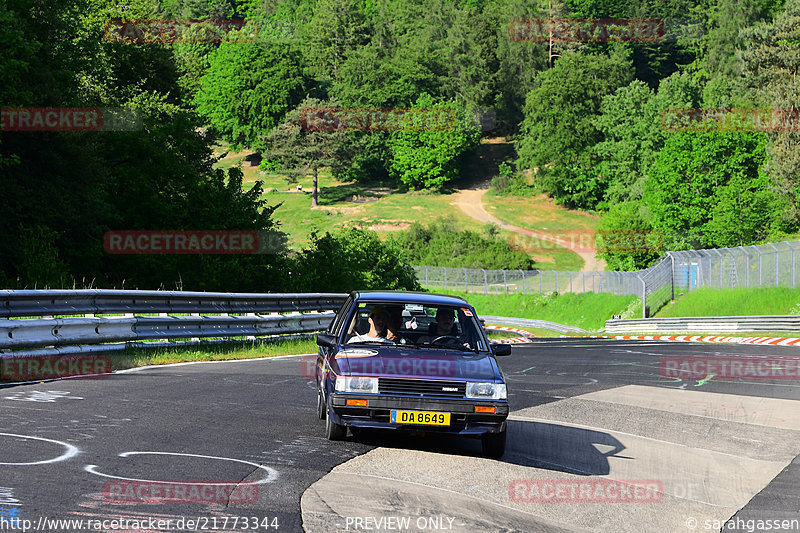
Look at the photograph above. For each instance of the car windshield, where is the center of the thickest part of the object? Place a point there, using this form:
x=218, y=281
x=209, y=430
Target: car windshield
x=417, y=325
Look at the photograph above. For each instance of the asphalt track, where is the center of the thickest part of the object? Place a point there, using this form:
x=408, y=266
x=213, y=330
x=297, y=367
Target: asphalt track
x=581, y=410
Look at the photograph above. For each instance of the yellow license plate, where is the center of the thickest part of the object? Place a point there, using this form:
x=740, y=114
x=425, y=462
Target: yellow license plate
x=420, y=417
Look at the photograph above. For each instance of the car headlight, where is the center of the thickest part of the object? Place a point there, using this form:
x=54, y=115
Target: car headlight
x=486, y=391
x=356, y=384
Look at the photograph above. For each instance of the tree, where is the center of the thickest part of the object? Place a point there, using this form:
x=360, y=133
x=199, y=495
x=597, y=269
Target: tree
x=337, y=27
x=248, y=88
x=558, y=130
x=772, y=66
x=626, y=240
x=708, y=190
x=298, y=149
x=630, y=122
x=425, y=155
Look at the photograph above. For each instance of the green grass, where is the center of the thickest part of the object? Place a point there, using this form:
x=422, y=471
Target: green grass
x=734, y=302
x=384, y=210
x=586, y=310
x=212, y=352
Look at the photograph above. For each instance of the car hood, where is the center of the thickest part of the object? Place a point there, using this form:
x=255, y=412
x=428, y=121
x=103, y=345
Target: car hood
x=405, y=362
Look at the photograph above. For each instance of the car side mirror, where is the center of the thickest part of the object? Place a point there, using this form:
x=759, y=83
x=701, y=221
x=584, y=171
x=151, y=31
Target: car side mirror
x=501, y=349
x=323, y=339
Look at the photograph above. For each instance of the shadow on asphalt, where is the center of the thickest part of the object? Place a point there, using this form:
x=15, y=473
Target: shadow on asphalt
x=536, y=444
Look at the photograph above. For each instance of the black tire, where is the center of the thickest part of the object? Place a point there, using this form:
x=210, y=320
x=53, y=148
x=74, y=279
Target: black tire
x=321, y=407
x=333, y=430
x=494, y=444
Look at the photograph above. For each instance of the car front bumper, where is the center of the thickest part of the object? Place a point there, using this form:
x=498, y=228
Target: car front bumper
x=463, y=418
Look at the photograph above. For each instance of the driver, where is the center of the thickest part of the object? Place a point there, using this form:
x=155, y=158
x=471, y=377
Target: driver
x=445, y=323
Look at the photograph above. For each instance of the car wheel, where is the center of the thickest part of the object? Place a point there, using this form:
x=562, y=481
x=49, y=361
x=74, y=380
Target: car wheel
x=494, y=444
x=320, y=404
x=333, y=430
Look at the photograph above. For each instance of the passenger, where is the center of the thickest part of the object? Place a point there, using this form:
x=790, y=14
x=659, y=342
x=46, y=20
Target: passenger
x=378, y=320
x=395, y=323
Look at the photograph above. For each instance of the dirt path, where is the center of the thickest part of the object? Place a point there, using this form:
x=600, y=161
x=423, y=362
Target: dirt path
x=470, y=201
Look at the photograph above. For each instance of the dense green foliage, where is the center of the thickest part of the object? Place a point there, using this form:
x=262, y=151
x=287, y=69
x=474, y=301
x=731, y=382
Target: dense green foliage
x=587, y=119
x=351, y=259
x=442, y=244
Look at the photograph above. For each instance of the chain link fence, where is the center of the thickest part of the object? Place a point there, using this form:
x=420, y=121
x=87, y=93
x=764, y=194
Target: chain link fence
x=765, y=265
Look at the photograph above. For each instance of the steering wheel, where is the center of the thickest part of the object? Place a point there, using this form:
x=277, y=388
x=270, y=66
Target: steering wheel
x=451, y=340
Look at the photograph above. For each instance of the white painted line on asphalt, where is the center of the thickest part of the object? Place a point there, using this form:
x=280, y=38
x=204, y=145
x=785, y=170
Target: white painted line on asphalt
x=271, y=476
x=71, y=451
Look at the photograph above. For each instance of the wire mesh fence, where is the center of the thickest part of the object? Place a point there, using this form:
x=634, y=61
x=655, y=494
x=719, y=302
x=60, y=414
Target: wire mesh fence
x=765, y=265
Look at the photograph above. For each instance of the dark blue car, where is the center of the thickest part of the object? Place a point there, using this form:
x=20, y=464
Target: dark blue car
x=411, y=361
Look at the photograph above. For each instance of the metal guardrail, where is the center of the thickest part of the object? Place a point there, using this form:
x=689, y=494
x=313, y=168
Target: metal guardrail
x=27, y=303
x=703, y=324
x=531, y=323
x=89, y=334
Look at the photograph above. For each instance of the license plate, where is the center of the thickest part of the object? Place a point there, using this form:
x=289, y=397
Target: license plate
x=420, y=417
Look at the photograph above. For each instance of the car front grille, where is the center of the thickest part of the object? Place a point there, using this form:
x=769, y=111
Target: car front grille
x=423, y=387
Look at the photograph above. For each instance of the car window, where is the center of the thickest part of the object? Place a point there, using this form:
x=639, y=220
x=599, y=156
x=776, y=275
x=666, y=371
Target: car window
x=417, y=324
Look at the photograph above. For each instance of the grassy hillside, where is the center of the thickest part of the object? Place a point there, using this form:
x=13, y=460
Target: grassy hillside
x=386, y=211
x=734, y=302
x=586, y=310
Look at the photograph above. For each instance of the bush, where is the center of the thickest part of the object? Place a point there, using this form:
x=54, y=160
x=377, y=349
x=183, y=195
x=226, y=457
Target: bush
x=351, y=259
x=442, y=244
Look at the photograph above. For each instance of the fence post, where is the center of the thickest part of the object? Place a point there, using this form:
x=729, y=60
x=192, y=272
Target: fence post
x=789, y=244
x=746, y=265
x=523, y=280
x=445, y=277
x=583, y=280
x=570, y=281
x=644, y=297
x=426, y=277
x=556, y=271
x=466, y=283
x=540, y=282
x=776, y=262
x=759, y=265
x=485, y=283
x=720, y=267
x=505, y=283
x=672, y=274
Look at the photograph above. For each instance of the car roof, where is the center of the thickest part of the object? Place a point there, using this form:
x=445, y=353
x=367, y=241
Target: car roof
x=423, y=298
